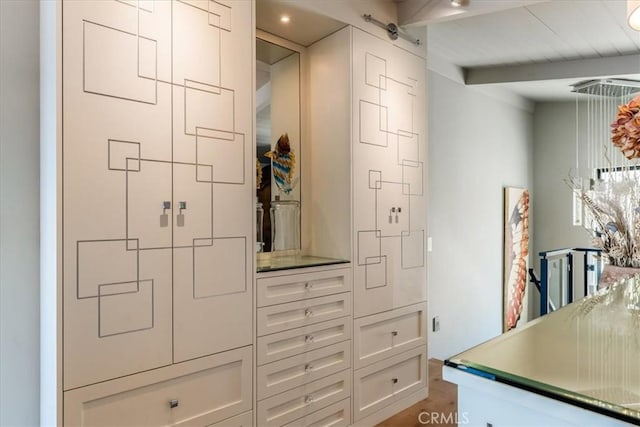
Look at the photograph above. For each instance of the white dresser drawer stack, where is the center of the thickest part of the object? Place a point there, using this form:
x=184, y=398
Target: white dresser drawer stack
x=303, y=352
x=389, y=357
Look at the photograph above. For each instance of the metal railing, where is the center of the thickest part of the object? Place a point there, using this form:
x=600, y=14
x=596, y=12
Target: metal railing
x=558, y=275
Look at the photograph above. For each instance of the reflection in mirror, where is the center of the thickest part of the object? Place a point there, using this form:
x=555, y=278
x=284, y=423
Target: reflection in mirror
x=278, y=148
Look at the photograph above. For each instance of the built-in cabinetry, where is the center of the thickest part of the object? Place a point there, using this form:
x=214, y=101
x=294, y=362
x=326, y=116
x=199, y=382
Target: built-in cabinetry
x=379, y=105
x=303, y=350
x=154, y=197
x=160, y=318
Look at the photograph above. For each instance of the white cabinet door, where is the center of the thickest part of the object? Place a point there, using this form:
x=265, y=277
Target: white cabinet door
x=116, y=174
x=156, y=109
x=389, y=154
x=212, y=175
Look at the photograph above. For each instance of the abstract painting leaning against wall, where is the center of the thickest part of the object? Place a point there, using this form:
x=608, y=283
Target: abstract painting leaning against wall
x=516, y=253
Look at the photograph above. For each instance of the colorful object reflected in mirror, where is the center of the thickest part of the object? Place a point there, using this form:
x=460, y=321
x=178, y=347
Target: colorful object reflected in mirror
x=283, y=162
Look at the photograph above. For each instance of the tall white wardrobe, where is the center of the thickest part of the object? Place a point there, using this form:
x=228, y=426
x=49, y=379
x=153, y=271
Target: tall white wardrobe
x=154, y=314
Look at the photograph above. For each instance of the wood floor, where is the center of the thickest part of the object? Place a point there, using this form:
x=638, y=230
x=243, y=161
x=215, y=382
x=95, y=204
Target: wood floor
x=440, y=407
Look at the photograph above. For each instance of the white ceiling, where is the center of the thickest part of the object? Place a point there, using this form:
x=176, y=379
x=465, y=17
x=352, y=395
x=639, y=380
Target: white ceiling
x=304, y=28
x=550, y=32
x=557, y=30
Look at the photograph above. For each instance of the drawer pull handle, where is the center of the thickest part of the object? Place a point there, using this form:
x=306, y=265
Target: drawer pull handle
x=308, y=313
x=394, y=333
x=308, y=286
x=394, y=380
x=173, y=403
x=308, y=369
x=308, y=339
x=308, y=399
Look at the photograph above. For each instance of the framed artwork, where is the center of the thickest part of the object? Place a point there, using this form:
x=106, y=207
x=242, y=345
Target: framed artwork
x=516, y=254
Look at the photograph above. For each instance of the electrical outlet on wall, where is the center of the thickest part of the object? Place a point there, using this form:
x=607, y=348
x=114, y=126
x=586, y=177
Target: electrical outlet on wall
x=436, y=324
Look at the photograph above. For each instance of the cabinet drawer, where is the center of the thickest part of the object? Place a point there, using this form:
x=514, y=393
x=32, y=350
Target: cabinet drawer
x=382, y=383
x=336, y=415
x=294, y=287
x=204, y=391
x=284, y=408
x=386, y=334
x=289, y=343
x=281, y=317
x=242, y=420
x=295, y=371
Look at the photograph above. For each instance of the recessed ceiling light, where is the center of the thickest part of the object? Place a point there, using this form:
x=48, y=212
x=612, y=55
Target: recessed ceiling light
x=285, y=19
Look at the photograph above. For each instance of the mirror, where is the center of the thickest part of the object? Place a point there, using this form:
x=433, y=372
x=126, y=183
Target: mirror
x=278, y=148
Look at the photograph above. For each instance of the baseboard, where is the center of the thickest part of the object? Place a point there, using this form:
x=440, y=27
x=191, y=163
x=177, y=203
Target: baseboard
x=394, y=408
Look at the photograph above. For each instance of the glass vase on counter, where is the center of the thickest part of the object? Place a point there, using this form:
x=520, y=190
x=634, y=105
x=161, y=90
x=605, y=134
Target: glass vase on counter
x=285, y=226
x=259, y=228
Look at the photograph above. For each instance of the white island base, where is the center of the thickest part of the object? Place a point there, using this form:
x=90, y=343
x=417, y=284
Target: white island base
x=487, y=403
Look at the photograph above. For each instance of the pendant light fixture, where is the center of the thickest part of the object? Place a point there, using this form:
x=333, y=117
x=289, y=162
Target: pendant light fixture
x=633, y=14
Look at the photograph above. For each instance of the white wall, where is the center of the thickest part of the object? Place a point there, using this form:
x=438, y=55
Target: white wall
x=478, y=144
x=554, y=158
x=19, y=213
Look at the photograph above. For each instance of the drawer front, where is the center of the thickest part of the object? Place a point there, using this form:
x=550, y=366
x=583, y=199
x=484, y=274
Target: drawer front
x=336, y=415
x=281, y=317
x=242, y=420
x=382, y=383
x=289, y=343
x=295, y=287
x=386, y=334
x=295, y=371
x=284, y=408
x=203, y=391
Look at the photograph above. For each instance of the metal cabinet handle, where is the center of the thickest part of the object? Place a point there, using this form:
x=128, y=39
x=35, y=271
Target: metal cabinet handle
x=308, y=399
x=394, y=333
x=308, y=313
x=308, y=286
x=308, y=339
x=166, y=205
x=173, y=403
x=308, y=369
x=182, y=205
x=394, y=380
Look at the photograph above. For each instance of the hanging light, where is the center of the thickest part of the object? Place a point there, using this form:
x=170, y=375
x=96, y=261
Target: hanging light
x=633, y=14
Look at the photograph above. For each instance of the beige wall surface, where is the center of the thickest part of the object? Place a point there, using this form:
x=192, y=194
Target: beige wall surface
x=19, y=213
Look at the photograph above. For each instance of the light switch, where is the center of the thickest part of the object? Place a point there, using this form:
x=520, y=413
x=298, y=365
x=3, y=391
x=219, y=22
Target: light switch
x=429, y=244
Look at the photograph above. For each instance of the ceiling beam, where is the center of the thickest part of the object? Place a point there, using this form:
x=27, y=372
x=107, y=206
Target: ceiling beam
x=423, y=12
x=580, y=68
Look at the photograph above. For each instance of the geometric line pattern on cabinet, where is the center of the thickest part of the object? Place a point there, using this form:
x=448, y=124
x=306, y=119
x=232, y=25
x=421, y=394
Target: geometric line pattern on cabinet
x=153, y=81
x=383, y=121
x=118, y=311
x=126, y=156
x=144, y=5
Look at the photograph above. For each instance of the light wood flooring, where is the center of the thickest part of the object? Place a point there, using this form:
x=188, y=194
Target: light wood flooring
x=442, y=400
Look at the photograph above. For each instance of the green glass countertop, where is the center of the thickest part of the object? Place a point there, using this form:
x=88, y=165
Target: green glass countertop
x=586, y=354
x=276, y=263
